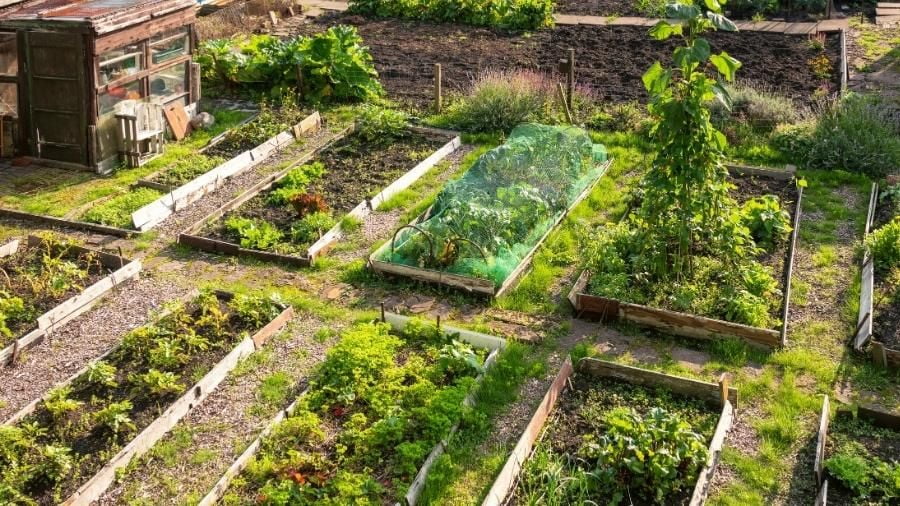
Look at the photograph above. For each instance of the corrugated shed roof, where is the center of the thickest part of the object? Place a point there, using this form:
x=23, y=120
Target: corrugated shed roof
x=103, y=15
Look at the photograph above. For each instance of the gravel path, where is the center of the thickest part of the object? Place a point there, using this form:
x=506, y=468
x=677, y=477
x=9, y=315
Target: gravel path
x=185, y=464
x=80, y=341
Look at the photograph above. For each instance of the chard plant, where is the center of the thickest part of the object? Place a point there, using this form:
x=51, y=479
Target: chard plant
x=686, y=205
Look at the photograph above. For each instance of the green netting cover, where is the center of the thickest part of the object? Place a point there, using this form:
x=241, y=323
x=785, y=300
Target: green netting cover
x=483, y=224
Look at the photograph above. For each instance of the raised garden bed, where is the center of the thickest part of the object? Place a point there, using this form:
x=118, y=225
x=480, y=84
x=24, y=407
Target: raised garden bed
x=878, y=322
x=118, y=406
x=380, y=468
x=343, y=176
x=859, y=450
x=484, y=229
x=576, y=405
x=762, y=181
x=155, y=212
x=48, y=282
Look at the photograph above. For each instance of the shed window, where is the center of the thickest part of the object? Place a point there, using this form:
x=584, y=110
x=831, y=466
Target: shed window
x=169, y=83
x=9, y=55
x=116, y=94
x=9, y=99
x=169, y=45
x=120, y=63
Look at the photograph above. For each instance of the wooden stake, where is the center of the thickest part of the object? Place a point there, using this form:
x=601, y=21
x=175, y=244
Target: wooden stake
x=570, y=79
x=562, y=98
x=438, y=78
x=274, y=18
x=723, y=388
x=382, y=313
x=439, y=322
x=299, y=72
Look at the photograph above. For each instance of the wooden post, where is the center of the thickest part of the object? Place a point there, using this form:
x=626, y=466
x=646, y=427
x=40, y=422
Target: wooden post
x=562, y=98
x=196, y=89
x=382, y=313
x=439, y=322
x=570, y=78
x=879, y=356
x=438, y=78
x=299, y=71
x=274, y=18
x=723, y=388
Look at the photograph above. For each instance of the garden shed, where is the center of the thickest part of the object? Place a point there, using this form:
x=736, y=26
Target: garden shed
x=65, y=65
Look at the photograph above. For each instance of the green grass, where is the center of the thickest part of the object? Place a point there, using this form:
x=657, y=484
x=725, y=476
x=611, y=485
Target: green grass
x=71, y=190
x=117, y=211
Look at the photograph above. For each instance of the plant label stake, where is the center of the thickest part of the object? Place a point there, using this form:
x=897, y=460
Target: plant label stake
x=570, y=78
x=382, y=313
x=438, y=99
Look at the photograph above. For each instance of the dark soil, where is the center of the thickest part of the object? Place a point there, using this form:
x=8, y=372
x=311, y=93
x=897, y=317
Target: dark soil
x=878, y=442
x=627, y=8
x=93, y=448
x=886, y=306
x=355, y=171
x=580, y=408
x=610, y=60
x=26, y=263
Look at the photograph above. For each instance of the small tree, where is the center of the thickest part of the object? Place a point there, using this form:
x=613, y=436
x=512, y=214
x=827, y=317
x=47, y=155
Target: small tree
x=686, y=209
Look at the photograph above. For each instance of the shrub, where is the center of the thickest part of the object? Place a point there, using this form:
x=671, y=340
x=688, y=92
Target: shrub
x=334, y=65
x=796, y=139
x=884, y=244
x=761, y=109
x=509, y=14
x=117, y=211
x=499, y=101
x=654, y=456
x=855, y=134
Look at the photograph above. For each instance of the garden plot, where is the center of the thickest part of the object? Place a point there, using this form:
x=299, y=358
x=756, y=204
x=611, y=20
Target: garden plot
x=49, y=281
x=298, y=214
x=67, y=446
x=483, y=230
x=590, y=439
x=610, y=60
x=757, y=189
x=373, y=422
x=879, y=304
x=155, y=212
x=857, y=456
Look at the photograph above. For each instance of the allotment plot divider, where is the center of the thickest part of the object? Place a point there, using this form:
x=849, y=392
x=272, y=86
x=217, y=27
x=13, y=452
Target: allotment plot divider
x=96, y=485
x=590, y=306
x=122, y=271
x=398, y=322
x=155, y=212
x=882, y=354
x=718, y=394
x=192, y=235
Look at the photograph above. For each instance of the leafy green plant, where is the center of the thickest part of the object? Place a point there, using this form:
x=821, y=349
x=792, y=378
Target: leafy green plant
x=295, y=182
x=115, y=417
x=459, y=358
x=509, y=14
x=653, y=456
x=311, y=227
x=380, y=125
x=12, y=312
x=866, y=476
x=254, y=233
x=59, y=403
x=187, y=168
x=117, y=211
x=255, y=311
x=101, y=374
x=334, y=65
x=157, y=383
x=884, y=243
x=768, y=222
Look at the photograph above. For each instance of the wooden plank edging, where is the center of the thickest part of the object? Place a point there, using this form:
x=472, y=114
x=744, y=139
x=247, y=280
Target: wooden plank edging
x=786, y=304
x=821, y=439
x=74, y=306
x=91, y=490
x=864, y=326
x=9, y=248
x=155, y=212
x=506, y=480
x=398, y=322
x=62, y=222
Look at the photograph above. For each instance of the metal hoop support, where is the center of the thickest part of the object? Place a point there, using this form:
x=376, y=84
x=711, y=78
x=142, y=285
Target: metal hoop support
x=423, y=232
x=473, y=243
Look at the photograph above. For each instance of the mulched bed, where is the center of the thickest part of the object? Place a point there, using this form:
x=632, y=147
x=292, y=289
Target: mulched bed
x=95, y=448
x=355, y=170
x=610, y=59
x=879, y=442
x=579, y=408
x=28, y=260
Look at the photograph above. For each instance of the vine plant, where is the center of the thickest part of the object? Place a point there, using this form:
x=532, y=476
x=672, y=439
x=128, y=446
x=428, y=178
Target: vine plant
x=686, y=204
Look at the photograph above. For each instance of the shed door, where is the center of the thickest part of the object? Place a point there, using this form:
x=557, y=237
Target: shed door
x=56, y=96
